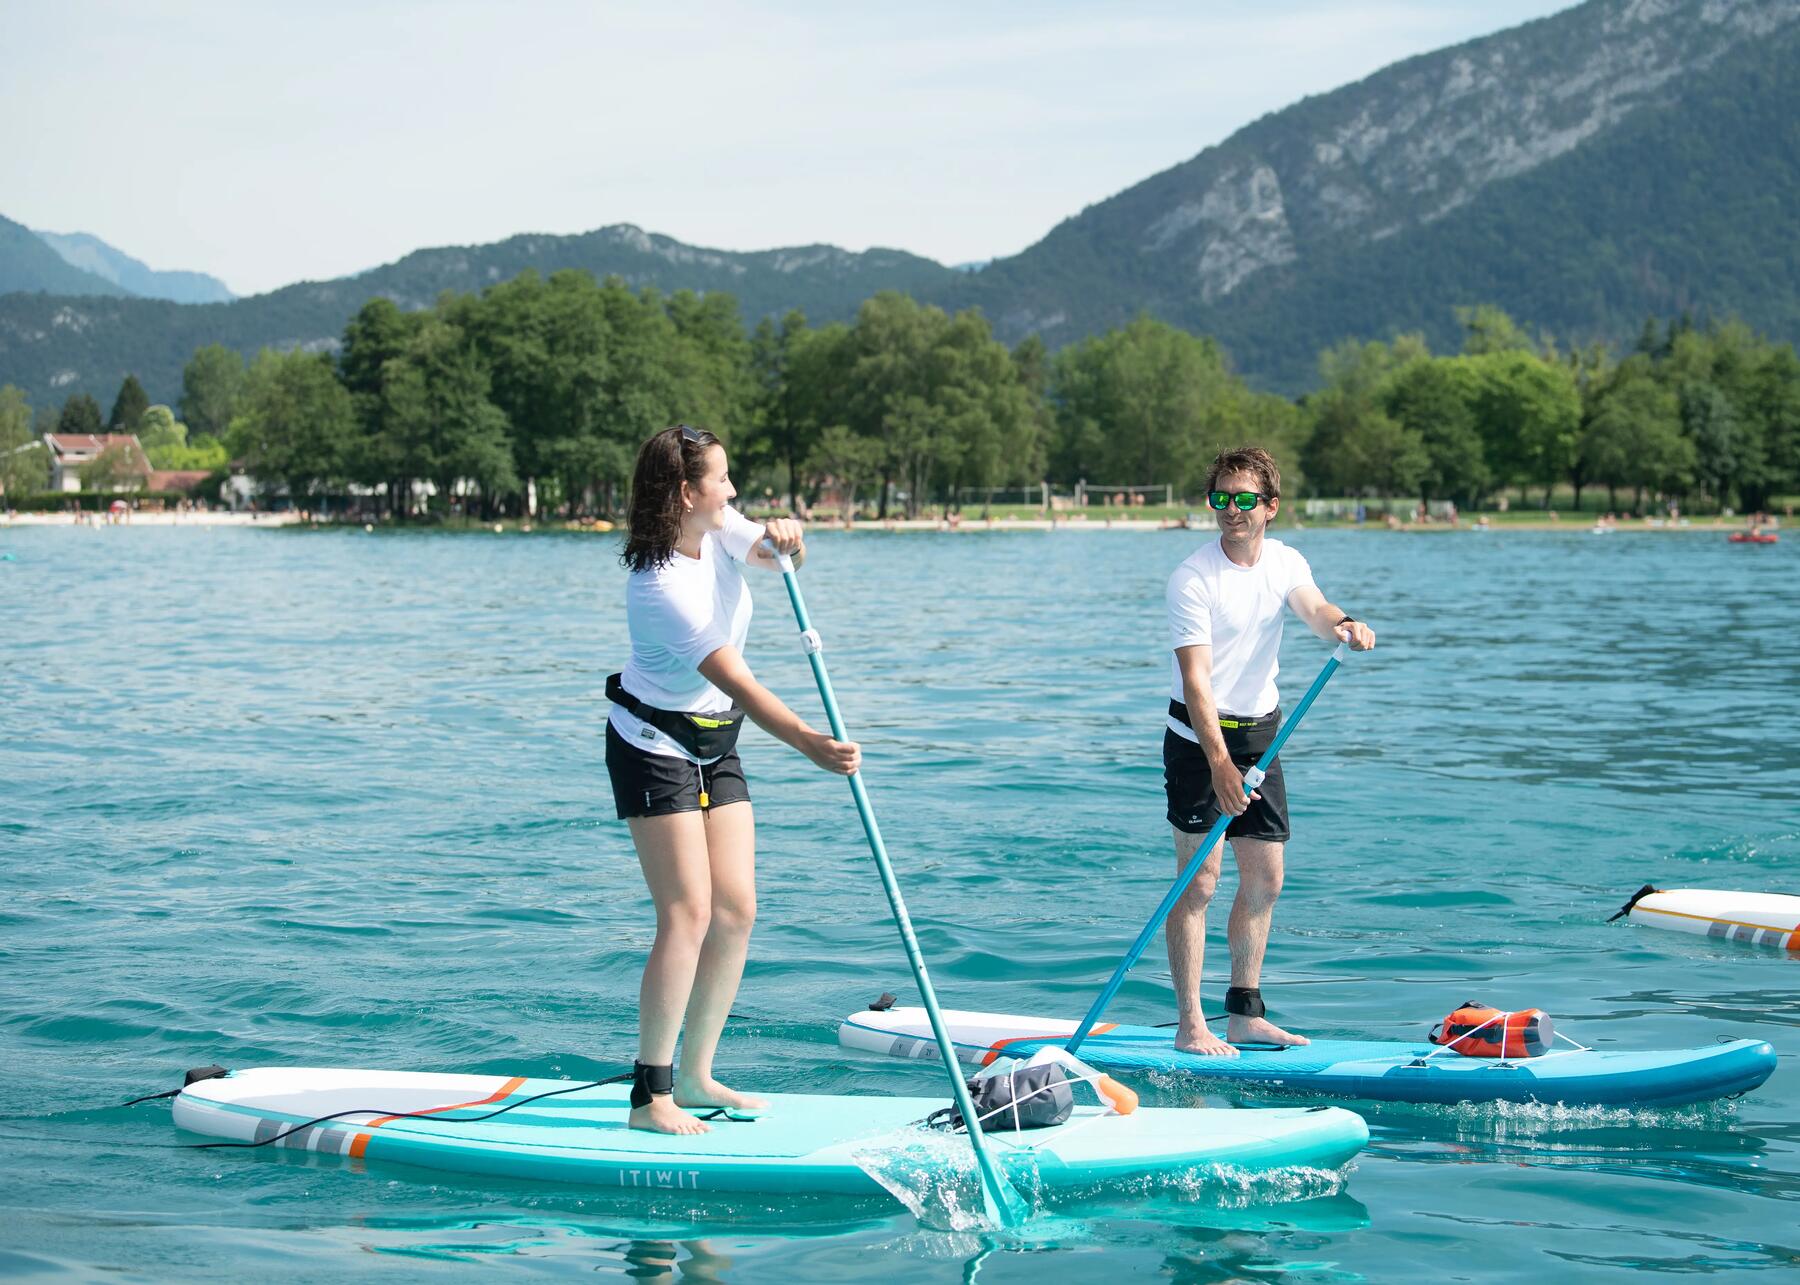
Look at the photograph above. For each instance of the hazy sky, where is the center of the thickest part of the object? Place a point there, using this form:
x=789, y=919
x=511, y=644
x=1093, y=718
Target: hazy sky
x=271, y=143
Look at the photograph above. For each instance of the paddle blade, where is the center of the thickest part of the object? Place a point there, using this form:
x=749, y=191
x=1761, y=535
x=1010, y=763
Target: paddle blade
x=1003, y=1204
x=1123, y=1100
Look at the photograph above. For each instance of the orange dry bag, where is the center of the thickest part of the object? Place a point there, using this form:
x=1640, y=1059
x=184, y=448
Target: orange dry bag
x=1475, y=1030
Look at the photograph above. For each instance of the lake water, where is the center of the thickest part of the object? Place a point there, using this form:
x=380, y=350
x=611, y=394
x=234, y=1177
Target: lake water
x=338, y=799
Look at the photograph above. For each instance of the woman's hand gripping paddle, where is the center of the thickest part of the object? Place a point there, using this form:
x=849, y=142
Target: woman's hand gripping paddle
x=1252, y=779
x=1003, y=1205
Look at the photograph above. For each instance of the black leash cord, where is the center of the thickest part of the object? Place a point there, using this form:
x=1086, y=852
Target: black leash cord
x=397, y=1115
x=149, y=1097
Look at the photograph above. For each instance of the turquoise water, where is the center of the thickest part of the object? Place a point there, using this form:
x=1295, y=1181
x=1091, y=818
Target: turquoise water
x=338, y=799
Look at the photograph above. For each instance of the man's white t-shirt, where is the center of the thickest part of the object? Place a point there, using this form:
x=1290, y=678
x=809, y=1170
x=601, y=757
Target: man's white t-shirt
x=679, y=614
x=1238, y=612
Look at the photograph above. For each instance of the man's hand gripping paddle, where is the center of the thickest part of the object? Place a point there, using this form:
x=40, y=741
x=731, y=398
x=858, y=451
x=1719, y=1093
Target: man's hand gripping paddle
x=1252, y=779
x=1002, y=1204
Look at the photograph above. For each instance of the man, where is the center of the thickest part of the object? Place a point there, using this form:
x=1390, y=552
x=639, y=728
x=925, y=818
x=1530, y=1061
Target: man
x=1226, y=606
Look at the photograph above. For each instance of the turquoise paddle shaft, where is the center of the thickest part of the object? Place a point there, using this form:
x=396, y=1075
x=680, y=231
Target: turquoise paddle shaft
x=1003, y=1205
x=1252, y=779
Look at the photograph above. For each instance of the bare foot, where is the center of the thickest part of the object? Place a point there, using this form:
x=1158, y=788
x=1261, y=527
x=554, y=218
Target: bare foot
x=710, y=1093
x=1259, y=1030
x=1203, y=1042
x=663, y=1116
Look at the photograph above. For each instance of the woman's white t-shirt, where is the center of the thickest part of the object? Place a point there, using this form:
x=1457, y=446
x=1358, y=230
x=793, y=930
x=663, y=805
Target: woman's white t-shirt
x=1238, y=612
x=679, y=614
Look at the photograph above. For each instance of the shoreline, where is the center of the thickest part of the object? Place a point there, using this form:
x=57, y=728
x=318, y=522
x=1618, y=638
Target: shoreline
x=894, y=525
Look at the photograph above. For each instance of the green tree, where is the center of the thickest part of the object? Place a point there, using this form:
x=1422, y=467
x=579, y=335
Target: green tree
x=120, y=467
x=211, y=385
x=1529, y=415
x=375, y=337
x=1487, y=329
x=166, y=442
x=1772, y=397
x=785, y=433
x=1633, y=438
x=442, y=426
x=128, y=407
x=1353, y=444
x=80, y=414
x=1435, y=401
x=297, y=427
x=1722, y=450
x=1142, y=405
x=24, y=463
x=849, y=460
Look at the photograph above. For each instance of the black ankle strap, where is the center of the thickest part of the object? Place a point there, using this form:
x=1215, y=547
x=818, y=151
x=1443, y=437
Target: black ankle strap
x=1244, y=1001
x=650, y=1081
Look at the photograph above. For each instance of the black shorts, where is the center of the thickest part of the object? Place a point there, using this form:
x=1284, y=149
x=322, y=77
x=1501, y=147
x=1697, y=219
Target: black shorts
x=1193, y=803
x=658, y=785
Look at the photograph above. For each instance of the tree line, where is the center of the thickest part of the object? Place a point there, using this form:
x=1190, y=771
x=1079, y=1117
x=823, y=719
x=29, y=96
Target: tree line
x=537, y=392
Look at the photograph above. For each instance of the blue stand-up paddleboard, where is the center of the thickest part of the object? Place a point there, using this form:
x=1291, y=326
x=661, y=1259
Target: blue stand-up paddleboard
x=1362, y=1070
x=800, y=1143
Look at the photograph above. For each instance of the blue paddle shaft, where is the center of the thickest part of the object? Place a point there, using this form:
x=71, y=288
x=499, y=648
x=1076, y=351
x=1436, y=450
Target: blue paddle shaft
x=1252, y=779
x=1003, y=1204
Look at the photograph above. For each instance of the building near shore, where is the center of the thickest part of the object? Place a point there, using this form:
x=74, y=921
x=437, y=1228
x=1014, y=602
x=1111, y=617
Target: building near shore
x=72, y=452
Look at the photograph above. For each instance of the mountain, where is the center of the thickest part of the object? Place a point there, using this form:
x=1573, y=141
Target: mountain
x=26, y=263
x=89, y=253
x=1622, y=158
x=53, y=347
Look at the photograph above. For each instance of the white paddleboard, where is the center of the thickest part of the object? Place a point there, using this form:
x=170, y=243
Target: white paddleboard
x=1756, y=918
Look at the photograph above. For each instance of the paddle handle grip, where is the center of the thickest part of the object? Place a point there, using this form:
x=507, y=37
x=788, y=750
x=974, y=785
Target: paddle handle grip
x=782, y=560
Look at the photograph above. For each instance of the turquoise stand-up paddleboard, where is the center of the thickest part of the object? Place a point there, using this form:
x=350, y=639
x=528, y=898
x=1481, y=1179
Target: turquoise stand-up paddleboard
x=558, y=1131
x=801, y=1143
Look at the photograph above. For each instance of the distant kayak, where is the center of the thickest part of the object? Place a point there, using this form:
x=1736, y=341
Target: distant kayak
x=1753, y=537
x=1756, y=918
x=1373, y=1070
x=553, y=1130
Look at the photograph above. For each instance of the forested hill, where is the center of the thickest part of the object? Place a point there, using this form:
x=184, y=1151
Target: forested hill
x=52, y=346
x=1584, y=171
x=88, y=252
x=26, y=263
x=1622, y=159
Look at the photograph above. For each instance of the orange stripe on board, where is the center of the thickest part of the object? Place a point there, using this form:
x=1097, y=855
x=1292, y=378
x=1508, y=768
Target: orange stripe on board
x=360, y=1143
x=995, y=1048
x=1711, y=919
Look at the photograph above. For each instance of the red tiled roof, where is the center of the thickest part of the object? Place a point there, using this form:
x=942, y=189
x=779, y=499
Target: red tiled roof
x=86, y=443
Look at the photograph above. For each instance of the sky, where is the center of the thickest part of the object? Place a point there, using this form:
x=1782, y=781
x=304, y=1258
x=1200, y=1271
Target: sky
x=271, y=143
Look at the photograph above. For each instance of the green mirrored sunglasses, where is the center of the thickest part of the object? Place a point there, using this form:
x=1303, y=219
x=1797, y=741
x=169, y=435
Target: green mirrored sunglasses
x=1245, y=500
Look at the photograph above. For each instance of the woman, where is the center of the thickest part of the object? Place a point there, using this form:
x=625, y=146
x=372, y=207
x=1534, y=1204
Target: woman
x=671, y=753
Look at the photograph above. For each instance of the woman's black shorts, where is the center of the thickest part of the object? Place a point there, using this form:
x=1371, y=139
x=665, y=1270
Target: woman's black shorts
x=1187, y=778
x=657, y=785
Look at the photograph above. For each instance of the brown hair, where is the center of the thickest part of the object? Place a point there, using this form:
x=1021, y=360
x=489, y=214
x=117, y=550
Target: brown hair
x=653, y=522
x=1246, y=459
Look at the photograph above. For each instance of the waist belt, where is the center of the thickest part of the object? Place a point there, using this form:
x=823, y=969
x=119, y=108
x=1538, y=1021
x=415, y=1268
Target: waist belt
x=705, y=736
x=1231, y=722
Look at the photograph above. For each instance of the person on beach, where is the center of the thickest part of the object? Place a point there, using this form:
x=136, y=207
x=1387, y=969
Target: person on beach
x=1226, y=605
x=671, y=753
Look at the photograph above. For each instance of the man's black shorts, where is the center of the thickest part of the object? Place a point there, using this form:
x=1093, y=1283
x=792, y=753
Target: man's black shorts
x=1187, y=778
x=657, y=785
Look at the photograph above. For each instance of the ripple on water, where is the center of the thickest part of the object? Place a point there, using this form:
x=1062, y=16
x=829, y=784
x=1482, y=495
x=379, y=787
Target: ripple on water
x=327, y=799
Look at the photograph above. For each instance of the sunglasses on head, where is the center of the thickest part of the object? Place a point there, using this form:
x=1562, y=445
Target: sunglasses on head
x=694, y=435
x=1245, y=500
